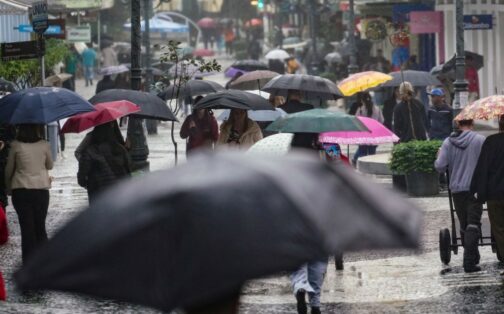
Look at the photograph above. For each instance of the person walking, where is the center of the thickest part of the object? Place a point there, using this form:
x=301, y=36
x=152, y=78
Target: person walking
x=89, y=62
x=293, y=103
x=488, y=183
x=108, y=57
x=103, y=161
x=239, y=131
x=71, y=62
x=388, y=108
x=459, y=154
x=370, y=110
x=27, y=180
x=439, y=116
x=105, y=83
x=229, y=37
x=200, y=129
x=410, y=119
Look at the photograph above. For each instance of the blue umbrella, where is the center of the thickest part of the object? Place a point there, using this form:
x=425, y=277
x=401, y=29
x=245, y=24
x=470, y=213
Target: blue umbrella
x=41, y=105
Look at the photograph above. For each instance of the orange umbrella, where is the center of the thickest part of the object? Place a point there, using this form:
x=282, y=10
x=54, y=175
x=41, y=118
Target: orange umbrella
x=362, y=81
x=483, y=109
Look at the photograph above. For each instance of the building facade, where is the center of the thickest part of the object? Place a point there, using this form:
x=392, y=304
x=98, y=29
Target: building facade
x=13, y=14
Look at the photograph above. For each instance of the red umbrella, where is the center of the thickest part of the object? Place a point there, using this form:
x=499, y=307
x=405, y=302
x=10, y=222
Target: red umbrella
x=203, y=52
x=105, y=112
x=206, y=22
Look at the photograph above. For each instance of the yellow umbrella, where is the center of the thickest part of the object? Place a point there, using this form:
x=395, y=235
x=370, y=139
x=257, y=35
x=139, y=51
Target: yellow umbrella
x=362, y=81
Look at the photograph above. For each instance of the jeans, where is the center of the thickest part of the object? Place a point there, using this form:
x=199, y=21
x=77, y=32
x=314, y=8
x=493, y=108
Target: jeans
x=31, y=207
x=364, y=150
x=88, y=74
x=496, y=215
x=469, y=214
x=310, y=278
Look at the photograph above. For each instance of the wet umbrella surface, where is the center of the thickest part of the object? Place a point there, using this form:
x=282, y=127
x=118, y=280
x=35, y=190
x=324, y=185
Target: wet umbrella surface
x=186, y=242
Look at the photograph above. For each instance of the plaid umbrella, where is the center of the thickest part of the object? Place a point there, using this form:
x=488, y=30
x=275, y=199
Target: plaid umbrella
x=483, y=109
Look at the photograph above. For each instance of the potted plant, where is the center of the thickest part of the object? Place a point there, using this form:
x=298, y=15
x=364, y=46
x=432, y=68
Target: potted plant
x=416, y=161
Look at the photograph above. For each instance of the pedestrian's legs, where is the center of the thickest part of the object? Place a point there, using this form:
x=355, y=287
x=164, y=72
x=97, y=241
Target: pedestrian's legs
x=495, y=210
x=316, y=275
x=22, y=200
x=40, y=214
x=358, y=153
x=372, y=150
x=300, y=285
x=459, y=202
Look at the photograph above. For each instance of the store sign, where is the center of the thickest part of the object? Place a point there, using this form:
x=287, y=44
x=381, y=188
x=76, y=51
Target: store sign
x=80, y=4
x=478, y=22
x=426, y=22
x=39, y=16
x=22, y=50
x=77, y=34
x=51, y=30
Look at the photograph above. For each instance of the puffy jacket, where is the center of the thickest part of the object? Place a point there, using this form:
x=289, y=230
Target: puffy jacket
x=440, y=122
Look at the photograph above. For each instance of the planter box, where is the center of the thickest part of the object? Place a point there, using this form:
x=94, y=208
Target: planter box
x=422, y=183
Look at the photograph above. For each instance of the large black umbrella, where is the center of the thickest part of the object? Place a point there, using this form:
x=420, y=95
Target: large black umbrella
x=151, y=106
x=437, y=71
x=7, y=86
x=478, y=61
x=417, y=78
x=227, y=218
x=311, y=87
x=249, y=65
x=253, y=80
x=191, y=88
x=229, y=99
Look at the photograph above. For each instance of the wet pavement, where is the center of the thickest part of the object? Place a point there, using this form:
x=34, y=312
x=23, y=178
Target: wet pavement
x=401, y=281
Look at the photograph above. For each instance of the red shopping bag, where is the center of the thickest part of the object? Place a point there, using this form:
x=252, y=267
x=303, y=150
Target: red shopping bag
x=4, y=232
x=3, y=295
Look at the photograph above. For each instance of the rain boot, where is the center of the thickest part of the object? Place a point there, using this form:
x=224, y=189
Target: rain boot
x=471, y=237
x=315, y=310
x=301, y=302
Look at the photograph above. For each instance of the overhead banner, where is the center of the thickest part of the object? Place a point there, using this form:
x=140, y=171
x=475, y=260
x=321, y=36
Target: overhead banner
x=426, y=22
x=83, y=4
x=478, y=22
x=76, y=34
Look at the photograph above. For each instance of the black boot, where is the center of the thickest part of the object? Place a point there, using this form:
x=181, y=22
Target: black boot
x=315, y=310
x=471, y=254
x=301, y=302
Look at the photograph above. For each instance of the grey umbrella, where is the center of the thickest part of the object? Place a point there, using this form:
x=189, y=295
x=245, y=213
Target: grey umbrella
x=223, y=220
x=234, y=99
x=253, y=80
x=417, y=78
x=114, y=69
x=190, y=89
x=311, y=87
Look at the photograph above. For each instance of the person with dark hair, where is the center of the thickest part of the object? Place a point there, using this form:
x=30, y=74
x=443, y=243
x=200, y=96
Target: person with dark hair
x=200, y=129
x=488, y=183
x=410, y=118
x=239, y=131
x=459, y=154
x=293, y=103
x=105, y=83
x=439, y=116
x=370, y=110
x=27, y=180
x=388, y=108
x=103, y=161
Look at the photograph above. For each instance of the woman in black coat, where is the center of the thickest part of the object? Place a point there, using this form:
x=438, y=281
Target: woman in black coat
x=103, y=162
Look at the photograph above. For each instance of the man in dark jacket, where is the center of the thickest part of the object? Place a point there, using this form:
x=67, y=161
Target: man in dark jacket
x=439, y=116
x=105, y=83
x=488, y=183
x=294, y=104
x=410, y=119
x=459, y=153
x=388, y=108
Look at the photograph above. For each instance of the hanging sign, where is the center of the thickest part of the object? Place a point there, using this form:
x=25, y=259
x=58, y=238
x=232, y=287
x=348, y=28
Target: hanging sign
x=77, y=34
x=39, y=16
x=478, y=22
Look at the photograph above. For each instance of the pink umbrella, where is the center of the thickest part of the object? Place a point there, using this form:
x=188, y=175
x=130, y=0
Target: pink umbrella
x=206, y=22
x=378, y=134
x=203, y=52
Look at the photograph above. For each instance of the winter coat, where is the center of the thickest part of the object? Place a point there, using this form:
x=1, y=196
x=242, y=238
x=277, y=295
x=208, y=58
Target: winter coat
x=440, y=122
x=104, y=84
x=388, y=112
x=376, y=114
x=102, y=165
x=460, y=154
x=28, y=165
x=410, y=121
x=251, y=135
x=204, y=134
x=488, y=178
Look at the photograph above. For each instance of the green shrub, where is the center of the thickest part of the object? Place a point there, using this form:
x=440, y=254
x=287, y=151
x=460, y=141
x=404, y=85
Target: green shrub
x=414, y=156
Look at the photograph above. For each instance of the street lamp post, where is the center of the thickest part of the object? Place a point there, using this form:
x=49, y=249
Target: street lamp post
x=352, y=66
x=313, y=34
x=139, y=151
x=151, y=124
x=460, y=84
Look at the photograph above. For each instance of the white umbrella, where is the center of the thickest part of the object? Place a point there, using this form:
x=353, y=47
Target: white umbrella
x=273, y=145
x=333, y=57
x=257, y=115
x=277, y=54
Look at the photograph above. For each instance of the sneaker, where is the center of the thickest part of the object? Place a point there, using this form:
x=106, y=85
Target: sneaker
x=315, y=310
x=472, y=269
x=301, y=302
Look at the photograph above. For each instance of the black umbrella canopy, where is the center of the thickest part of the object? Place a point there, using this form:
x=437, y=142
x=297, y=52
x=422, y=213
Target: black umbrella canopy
x=180, y=243
x=311, y=87
x=7, y=86
x=478, y=61
x=234, y=99
x=191, y=88
x=151, y=106
x=249, y=65
x=416, y=78
x=253, y=80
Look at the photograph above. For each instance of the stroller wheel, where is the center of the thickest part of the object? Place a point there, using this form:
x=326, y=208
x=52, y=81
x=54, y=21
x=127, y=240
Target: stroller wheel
x=445, y=246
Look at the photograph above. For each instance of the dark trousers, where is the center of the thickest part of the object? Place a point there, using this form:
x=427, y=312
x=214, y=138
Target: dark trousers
x=496, y=215
x=31, y=207
x=469, y=214
x=364, y=150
